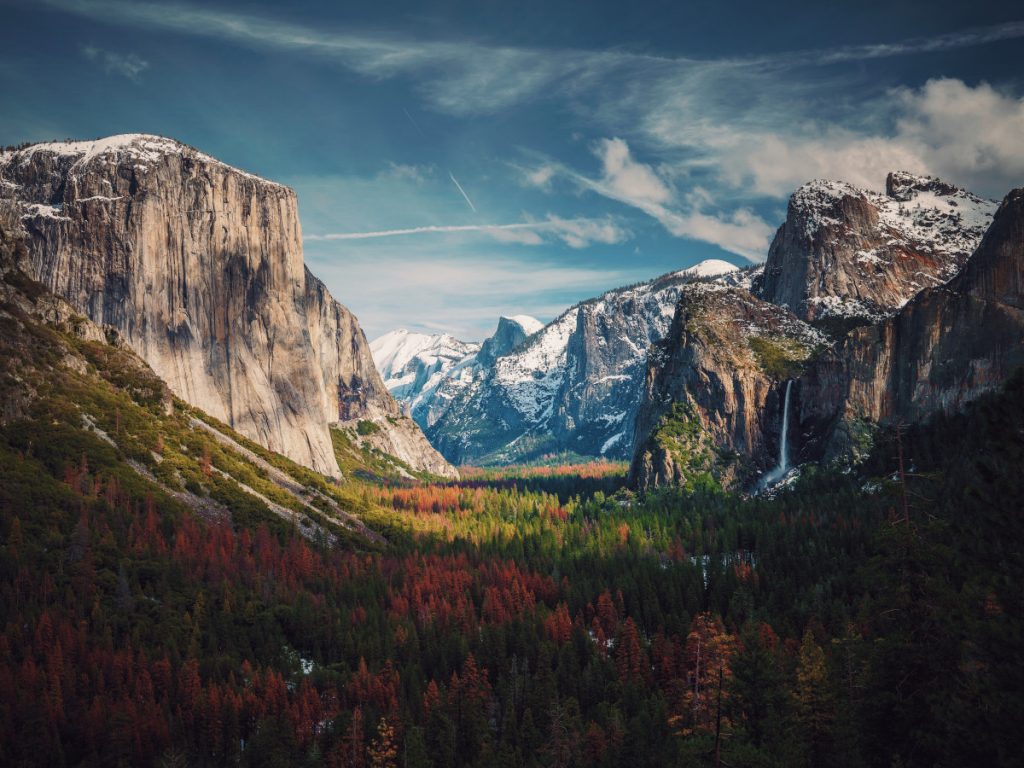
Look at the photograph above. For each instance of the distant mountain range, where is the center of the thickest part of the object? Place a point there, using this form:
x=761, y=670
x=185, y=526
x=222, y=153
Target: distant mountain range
x=530, y=390
x=865, y=303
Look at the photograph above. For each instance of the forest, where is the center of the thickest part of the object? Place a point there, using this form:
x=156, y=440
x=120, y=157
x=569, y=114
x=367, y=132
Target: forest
x=519, y=617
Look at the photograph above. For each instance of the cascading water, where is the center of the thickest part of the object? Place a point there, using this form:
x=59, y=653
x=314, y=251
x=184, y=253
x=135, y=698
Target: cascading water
x=783, y=466
x=784, y=438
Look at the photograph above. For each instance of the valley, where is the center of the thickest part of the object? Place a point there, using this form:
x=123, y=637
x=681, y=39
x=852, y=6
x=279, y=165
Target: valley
x=723, y=517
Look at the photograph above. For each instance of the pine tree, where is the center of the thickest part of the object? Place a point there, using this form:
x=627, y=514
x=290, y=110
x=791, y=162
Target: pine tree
x=814, y=701
x=382, y=751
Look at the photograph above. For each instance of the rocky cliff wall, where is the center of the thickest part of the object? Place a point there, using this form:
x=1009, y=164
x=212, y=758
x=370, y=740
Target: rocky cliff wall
x=199, y=267
x=944, y=348
x=712, y=405
x=847, y=252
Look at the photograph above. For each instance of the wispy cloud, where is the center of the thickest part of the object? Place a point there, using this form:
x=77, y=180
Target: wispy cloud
x=462, y=295
x=417, y=174
x=449, y=73
x=576, y=233
x=636, y=184
x=787, y=117
x=128, y=65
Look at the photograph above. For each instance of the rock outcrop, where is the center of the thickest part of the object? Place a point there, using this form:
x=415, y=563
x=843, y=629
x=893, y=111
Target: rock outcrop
x=712, y=405
x=198, y=267
x=844, y=252
x=944, y=348
x=508, y=336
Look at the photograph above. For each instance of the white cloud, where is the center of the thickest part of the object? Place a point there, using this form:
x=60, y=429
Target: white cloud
x=969, y=135
x=580, y=233
x=464, y=77
x=417, y=174
x=972, y=135
x=633, y=183
x=628, y=179
x=128, y=65
x=539, y=177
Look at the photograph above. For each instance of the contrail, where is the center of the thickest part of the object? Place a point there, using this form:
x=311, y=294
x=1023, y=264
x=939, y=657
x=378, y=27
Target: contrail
x=459, y=186
x=431, y=228
x=414, y=123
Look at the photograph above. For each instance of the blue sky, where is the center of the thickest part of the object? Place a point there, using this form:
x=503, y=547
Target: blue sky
x=459, y=160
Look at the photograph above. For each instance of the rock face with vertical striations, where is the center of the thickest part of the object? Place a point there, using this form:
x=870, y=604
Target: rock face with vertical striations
x=944, y=348
x=933, y=278
x=198, y=266
x=845, y=252
x=712, y=403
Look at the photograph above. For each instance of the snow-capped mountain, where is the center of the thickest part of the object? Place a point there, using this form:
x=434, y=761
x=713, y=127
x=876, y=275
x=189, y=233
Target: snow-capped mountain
x=932, y=277
x=411, y=362
x=425, y=371
x=710, y=268
x=573, y=385
x=848, y=252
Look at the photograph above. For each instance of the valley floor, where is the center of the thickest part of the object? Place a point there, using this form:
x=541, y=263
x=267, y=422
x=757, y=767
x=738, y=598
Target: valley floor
x=173, y=595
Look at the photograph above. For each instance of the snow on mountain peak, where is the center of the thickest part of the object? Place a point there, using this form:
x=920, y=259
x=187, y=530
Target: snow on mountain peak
x=709, y=268
x=530, y=325
x=413, y=364
x=140, y=148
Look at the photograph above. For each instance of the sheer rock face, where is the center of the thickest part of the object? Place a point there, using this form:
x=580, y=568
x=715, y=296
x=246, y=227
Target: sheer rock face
x=506, y=337
x=713, y=398
x=944, y=327
x=199, y=267
x=944, y=348
x=847, y=252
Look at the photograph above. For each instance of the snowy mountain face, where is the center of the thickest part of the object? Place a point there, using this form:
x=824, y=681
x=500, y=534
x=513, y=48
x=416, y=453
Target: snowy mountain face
x=573, y=385
x=412, y=364
x=426, y=372
x=844, y=252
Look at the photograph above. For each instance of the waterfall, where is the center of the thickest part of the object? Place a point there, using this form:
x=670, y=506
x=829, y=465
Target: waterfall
x=783, y=466
x=784, y=438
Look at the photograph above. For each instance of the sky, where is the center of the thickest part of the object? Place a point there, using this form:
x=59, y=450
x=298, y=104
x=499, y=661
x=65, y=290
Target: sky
x=455, y=161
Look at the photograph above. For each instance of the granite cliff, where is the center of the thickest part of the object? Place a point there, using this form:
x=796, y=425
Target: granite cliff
x=848, y=253
x=713, y=395
x=944, y=348
x=916, y=296
x=198, y=267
